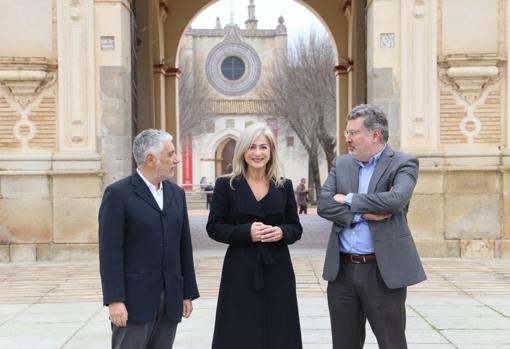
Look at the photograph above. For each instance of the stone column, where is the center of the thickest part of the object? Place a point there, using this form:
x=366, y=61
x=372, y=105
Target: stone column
x=503, y=247
x=145, y=22
x=171, y=117
x=113, y=99
x=357, y=48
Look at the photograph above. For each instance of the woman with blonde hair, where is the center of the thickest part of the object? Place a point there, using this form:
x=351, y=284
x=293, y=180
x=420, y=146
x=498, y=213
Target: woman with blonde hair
x=254, y=211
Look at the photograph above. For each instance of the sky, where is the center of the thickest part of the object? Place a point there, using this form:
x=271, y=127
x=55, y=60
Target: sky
x=297, y=17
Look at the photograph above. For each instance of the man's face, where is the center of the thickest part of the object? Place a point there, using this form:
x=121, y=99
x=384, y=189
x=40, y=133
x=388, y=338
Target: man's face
x=166, y=162
x=361, y=143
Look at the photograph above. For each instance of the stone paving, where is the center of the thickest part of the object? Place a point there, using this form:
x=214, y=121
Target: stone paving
x=465, y=303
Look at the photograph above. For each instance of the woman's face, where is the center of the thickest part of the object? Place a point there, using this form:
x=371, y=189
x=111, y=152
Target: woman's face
x=259, y=154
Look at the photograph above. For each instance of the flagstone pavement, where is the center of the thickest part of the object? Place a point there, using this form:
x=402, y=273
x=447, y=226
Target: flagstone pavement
x=465, y=303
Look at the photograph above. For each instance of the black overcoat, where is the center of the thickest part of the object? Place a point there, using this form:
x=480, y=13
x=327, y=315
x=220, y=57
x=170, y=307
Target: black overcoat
x=144, y=250
x=257, y=304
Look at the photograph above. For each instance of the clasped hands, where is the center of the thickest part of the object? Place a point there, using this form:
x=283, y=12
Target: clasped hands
x=340, y=198
x=265, y=233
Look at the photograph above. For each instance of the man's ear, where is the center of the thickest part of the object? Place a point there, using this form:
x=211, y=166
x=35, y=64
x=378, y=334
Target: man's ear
x=150, y=160
x=376, y=135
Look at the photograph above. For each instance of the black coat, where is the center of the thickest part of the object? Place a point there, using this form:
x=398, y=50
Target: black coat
x=144, y=250
x=257, y=304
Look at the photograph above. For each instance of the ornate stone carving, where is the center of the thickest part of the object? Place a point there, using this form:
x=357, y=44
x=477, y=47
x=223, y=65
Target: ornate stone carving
x=233, y=46
x=419, y=8
x=75, y=10
x=471, y=78
x=470, y=75
x=24, y=78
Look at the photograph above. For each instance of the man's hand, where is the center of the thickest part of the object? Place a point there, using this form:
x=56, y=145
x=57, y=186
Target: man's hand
x=376, y=217
x=187, y=308
x=340, y=198
x=118, y=314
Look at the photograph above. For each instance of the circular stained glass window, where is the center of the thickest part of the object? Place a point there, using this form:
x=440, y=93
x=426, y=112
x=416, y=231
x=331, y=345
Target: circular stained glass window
x=232, y=68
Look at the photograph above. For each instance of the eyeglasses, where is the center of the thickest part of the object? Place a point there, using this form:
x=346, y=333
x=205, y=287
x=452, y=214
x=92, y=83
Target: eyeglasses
x=349, y=133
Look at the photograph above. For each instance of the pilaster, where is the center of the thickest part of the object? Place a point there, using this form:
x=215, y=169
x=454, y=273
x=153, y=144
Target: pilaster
x=77, y=117
x=419, y=109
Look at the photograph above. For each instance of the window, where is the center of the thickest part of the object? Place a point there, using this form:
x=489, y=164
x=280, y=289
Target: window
x=209, y=126
x=230, y=123
x=232, y=68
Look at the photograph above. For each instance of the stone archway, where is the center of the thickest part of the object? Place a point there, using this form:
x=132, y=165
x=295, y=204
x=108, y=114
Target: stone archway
x=224, y=156
x=163, y=26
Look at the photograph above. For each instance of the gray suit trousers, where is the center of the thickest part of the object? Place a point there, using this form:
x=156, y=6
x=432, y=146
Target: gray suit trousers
x=358, y=294
x=156, y=334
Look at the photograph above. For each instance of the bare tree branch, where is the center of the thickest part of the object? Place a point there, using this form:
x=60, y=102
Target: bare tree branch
x=194, y=102
x=303, y=88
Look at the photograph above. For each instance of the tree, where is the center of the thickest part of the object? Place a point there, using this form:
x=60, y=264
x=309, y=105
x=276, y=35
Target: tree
x=193, y=102
x=303, y=88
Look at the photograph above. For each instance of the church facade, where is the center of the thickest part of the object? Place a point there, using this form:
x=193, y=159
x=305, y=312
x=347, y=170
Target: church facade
x=233, y=65
x=78, y=78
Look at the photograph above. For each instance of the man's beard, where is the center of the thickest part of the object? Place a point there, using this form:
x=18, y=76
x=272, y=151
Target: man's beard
x=162, y=174
x=165, y=175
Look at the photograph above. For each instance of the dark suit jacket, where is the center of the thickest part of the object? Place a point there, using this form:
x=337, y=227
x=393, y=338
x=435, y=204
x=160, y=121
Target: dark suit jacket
x=144, y=250
x=389, y=191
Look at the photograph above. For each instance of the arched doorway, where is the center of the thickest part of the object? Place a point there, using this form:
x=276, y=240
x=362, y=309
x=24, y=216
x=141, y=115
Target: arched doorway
x=163, y=26
x=224, y=156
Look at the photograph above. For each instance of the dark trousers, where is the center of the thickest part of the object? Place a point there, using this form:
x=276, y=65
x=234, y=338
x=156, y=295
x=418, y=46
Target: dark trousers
x=303, y=208
x=358, y=294
x=156, y=334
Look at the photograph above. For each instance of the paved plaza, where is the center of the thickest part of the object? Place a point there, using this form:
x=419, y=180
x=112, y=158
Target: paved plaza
x=465, y=303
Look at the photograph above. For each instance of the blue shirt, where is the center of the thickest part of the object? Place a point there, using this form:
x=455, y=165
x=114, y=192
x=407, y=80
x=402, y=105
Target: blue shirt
x=357, y=238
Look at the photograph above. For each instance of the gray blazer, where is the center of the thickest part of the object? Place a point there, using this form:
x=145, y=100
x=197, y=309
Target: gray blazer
x=389, y=191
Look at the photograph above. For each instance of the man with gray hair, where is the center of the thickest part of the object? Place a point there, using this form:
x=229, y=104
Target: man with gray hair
x=145, y=252
x=371, y=257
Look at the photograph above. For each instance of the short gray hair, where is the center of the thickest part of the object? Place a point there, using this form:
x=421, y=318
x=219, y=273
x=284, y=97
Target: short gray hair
x=149, y=141
x=374, y=119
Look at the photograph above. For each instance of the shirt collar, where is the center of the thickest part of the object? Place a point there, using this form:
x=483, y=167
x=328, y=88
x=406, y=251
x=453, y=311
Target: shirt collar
x=151, y=186
x=373, y=160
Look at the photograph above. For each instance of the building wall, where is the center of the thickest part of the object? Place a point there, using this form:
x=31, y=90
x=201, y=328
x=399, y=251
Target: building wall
x=66, y=128
x=443, y=84
x=56, y=107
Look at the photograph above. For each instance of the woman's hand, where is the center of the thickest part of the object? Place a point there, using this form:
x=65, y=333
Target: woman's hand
x=256, y=231
x=265, y=233
x=272, y=234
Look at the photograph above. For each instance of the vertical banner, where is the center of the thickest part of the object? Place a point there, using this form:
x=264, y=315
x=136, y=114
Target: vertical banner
x=187, y=163
x=272, y=123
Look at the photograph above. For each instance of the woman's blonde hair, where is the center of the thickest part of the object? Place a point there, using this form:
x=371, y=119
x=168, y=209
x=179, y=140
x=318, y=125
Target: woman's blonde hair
x=274, y=168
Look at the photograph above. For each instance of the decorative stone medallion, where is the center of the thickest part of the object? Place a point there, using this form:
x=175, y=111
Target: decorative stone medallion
x=233, y=67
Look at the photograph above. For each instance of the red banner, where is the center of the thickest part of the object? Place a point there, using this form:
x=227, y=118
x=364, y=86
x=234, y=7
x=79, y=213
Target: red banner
x=187, y=163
